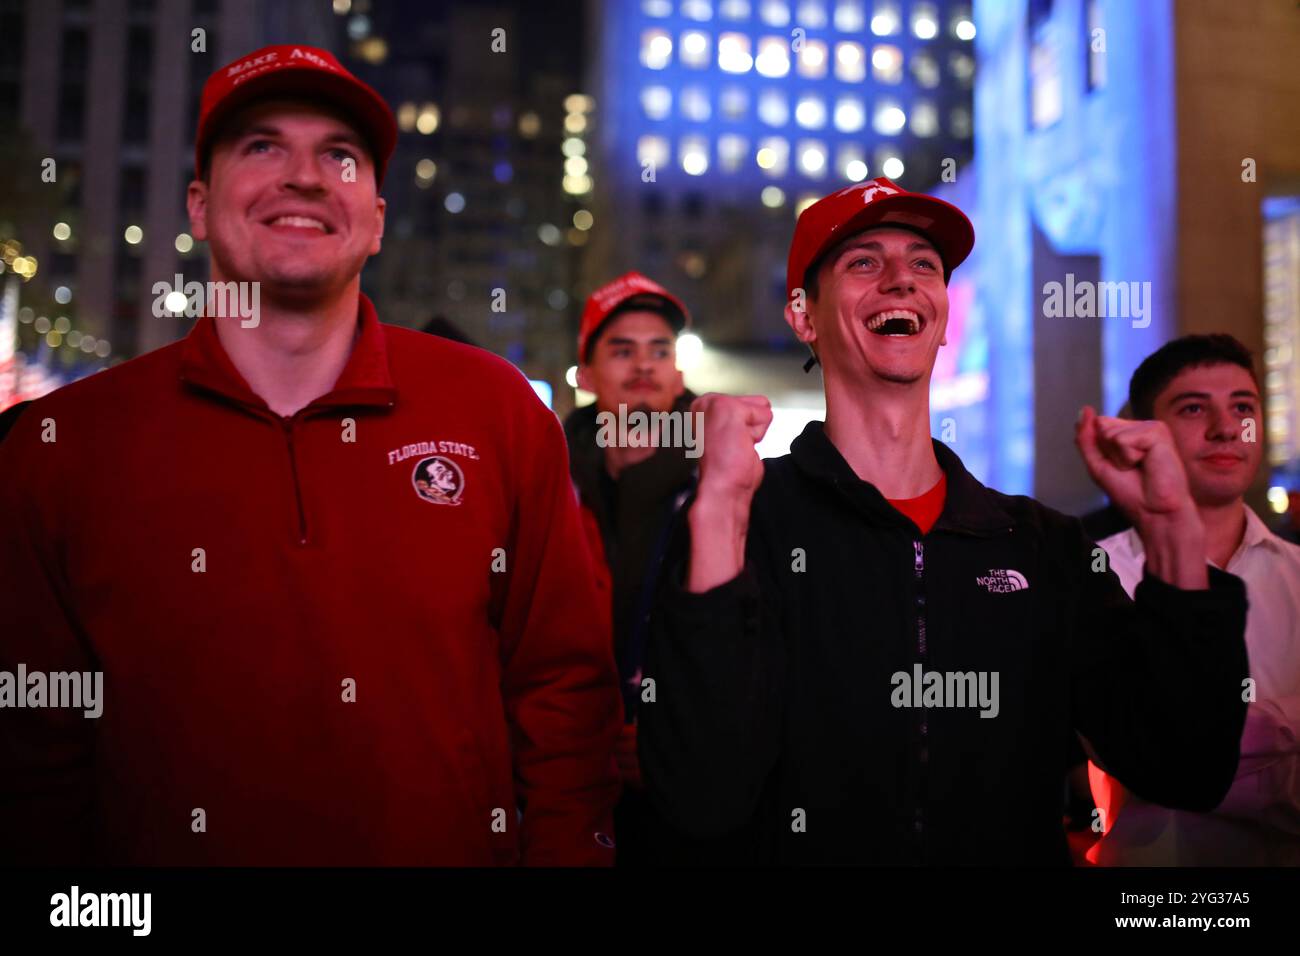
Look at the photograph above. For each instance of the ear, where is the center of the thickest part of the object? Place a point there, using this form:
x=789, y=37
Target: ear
x=584, y=379
x=196, y=204
x=381, y=206
x=801, y=323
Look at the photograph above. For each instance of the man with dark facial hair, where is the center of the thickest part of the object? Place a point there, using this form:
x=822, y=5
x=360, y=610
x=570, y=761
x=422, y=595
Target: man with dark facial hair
x=631, y=483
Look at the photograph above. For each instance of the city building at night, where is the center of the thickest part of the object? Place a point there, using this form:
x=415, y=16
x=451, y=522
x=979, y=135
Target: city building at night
x=488, y=190
x=1113, y=153
x=720, y=119
x=109, y=90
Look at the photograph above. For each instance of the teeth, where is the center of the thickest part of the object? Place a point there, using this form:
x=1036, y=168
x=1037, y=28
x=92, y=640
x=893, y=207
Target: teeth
x=301, y=222
x=877, y=321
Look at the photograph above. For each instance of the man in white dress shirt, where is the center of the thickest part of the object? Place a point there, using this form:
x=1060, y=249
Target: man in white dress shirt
x=1204, y=388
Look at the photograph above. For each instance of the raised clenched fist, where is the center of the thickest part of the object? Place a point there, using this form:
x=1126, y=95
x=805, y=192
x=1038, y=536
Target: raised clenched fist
x=1135, y=463
x=732, y=425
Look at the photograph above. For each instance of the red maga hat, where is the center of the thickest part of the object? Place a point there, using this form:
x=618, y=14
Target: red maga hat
x=295, y=70
x=877, y=202
x=602, y=303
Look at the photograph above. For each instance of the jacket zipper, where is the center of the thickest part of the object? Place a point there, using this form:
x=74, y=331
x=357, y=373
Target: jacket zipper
x=287, y=423
x=923, y=754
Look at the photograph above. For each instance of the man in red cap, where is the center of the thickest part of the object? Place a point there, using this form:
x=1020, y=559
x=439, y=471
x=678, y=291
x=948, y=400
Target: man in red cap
x=866, y=656
x=284, y=680
x=631, y=482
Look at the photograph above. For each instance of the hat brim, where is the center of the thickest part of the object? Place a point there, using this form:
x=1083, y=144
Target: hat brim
x=366, y=110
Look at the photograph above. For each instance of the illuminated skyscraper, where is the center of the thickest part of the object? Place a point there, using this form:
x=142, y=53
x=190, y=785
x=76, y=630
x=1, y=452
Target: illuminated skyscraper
x=109, y=90
x=719, y=119
x=480, y=228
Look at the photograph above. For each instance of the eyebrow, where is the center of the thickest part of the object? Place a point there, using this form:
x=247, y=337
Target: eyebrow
x=336, y=136
x=875, y=245
x=620, y=340
x=1239, y=393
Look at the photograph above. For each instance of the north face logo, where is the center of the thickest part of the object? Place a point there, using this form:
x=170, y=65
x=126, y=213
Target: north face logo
x=999, y=582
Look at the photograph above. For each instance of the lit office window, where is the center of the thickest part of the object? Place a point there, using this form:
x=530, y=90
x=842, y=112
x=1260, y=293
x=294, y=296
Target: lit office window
x=774, y=12
x=963, y=27
x=693, y=152
x=652, y=150
x=925, y=70
x=850, y=62
x=732, y=152
x=960, y=122
x=1280, y=255
x=773, y=108
x=851, y=163
x=812, y=59
x=694, y=104
x=887, y=63
x=810, y=112
x=885, y=20
x=889, y=163
x=925, y=118
x=773, y=58
x=962, y=66
x=733, y=102
x=888, y=119
x=925, y=21
x=773, y=156
x=734, y=9
x=811, y=13
x=850, y=114
x=812, y=158
x=849, y=17
x=733, y=53
x=695, y=49
x=657, y=8
x=697, y=9
x=656, y=49
x=657, y=101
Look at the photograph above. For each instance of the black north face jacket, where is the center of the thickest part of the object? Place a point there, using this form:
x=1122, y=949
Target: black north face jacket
x=776, y=711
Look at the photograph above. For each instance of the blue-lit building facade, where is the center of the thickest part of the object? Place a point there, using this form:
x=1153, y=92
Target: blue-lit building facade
x=718, y=119
x=1075, y=176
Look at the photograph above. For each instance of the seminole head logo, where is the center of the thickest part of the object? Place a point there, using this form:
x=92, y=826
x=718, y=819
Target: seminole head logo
x=438, y=480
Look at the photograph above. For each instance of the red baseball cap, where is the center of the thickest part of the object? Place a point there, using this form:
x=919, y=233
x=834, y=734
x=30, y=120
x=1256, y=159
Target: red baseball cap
x=877, y=202
x=602, y=303
x=295, y=70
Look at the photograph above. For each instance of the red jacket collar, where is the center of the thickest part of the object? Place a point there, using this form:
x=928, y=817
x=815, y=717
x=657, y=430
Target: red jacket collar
x=365, y=379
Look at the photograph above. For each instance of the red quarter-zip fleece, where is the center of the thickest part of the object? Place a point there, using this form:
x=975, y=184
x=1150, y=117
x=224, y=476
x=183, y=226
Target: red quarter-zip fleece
x=365, y=634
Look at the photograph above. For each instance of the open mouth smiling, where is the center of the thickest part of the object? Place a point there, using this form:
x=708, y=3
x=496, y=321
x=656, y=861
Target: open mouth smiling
x=896, y=323
x=298, y=223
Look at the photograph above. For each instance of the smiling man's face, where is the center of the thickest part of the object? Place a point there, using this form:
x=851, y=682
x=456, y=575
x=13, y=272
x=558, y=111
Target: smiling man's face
x=881, y=309
x=1207, y=407
x=276, y=207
